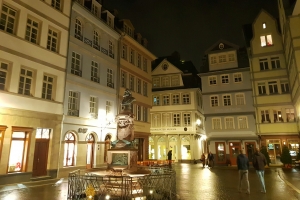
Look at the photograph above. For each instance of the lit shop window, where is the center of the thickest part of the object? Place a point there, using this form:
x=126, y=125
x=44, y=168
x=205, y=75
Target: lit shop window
x=18, y=151
x=69, y=151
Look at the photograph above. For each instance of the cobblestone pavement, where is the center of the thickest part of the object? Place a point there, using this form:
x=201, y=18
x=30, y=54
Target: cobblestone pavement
x=193, y=183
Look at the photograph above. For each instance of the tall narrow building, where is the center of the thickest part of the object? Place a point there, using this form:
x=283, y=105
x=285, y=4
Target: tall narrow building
x=33, y=56
x=177, y=121
x=90, y=104
x=135, y=75
x=228, y=105
x=273, y=98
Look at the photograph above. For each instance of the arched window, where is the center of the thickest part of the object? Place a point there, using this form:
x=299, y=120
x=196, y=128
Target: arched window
x=107, y=146
x=90, y=151
x=69, y=152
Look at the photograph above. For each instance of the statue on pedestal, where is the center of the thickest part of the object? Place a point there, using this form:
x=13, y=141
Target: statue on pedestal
x=124, y=120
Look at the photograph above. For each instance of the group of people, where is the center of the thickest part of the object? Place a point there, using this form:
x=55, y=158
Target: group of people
x=259, y=162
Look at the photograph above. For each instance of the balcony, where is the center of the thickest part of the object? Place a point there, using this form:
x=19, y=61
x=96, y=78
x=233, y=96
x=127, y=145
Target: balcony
x=76, y=72
x=96, y=46
x=88, y=41
x=105, y=51
x=111, y=55
x=95, y=79
x=78, y=36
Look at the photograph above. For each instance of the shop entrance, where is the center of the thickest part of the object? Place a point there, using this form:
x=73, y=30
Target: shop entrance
x=250, y=149
x=274, y=150
x=234, y=148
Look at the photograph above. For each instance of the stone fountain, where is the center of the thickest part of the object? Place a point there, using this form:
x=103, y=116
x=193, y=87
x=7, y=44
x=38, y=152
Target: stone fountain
x=123, y=155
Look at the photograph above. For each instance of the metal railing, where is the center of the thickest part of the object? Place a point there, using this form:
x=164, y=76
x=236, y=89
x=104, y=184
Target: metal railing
x=159, y=184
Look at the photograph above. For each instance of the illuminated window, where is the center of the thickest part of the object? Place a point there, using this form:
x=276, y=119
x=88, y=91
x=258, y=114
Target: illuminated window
x=56, y=4
x=95, y=72
x=73, y=104
x=139, y=86
x=76, y=64
x=47, y=87
x=266, y=40
x=166, y=119
x=108, y=109
x=227, y=100
x=212, y=80
x=290, y=115
x=156, y=100
x=25, y=82
x=216, y=123
x=32, y=31
x=93, y=107
x=242, y=122
x=123, y=79
x=145, y=89
x=52, y=41
x=221, y=152
x=109, y=78
x=176, y=119
x=43, y=133
x=186, y=99
x=175, y=99
x=264, y=25
x=18, y=151
x=214, y=101
x=229, y=123
x=3, y=75
x=69, y=150
x=8, y=19
x=187, y=119
x=277, y=116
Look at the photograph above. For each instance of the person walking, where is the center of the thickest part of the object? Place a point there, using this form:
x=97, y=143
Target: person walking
x=243, y=167
x=203, y=160
x=170, y=157
x=210, y=158
x=259, y=163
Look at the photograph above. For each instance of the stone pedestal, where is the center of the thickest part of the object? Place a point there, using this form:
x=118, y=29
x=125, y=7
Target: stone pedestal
x=122, y=159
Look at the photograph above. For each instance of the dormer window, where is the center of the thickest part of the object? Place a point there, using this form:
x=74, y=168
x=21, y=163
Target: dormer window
x=264, y=25
x=109, y=21
x=266, y=40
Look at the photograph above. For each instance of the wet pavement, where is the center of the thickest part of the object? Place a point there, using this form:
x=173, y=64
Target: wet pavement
x=193, y=183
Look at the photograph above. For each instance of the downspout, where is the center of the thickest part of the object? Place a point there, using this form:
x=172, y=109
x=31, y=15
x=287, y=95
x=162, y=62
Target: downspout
x=64, y=97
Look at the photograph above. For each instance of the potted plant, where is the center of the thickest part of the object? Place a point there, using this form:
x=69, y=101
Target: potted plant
x=264, y=151
x=286, y=157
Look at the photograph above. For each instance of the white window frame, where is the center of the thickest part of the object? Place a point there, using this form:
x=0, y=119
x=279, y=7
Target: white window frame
x=216, y=123
x=237, y=77
x=225, y=79
x=32, y=30
x=166, y=119
x=186, y=98
x=265, y=116
x=124, y=51
x=175, y=99
x=176, y=119
x=273, y=87
x=131, y=82
x=9, y=18
x=263, y=64
x=26, y=81
x=261, y=86
x=227, y=100
x=212, y=80
x=53, y=40
x=48, y=87
x=155, y=122
x=229, y=123
x=240, y=99
x=165, y=81
x=242, y=122
x=175, y=80
x=156, y=82
x=4, y=75
x=73, y=103
x=290, y=115
x=93, y=107
x=95, y=72
x=275, y=62
x=284, y=86
x=222, y=58
x=156, y=100
x=166, y=99
x=214, y=101
x=213, y=60
x=110, y=78
x=76, y=64
x=266, y=40
x=187, y=119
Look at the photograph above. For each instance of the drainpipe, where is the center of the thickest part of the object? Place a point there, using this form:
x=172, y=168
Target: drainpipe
x=64, y=97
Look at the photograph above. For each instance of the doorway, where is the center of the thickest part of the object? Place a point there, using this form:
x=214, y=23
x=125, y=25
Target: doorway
x=40, y=157
x=90, y=151
x=250, y=149
x=234, y=148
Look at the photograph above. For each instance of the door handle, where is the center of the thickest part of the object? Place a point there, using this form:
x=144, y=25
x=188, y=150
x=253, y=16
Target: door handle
x=38, y=160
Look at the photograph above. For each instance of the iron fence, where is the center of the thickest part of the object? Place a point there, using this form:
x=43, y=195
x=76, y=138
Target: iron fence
x=160, y=184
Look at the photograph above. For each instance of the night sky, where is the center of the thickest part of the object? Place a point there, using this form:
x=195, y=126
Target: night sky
x=189, y=26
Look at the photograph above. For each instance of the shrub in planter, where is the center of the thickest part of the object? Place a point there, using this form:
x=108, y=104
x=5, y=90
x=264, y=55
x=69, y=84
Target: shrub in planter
x=264, y=151
x=286, y=157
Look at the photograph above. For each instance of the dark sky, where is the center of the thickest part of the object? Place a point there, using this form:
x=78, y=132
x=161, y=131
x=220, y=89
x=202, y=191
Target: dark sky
x=189, y=26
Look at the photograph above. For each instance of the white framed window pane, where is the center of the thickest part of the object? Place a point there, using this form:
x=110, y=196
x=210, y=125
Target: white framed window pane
x=16, y=155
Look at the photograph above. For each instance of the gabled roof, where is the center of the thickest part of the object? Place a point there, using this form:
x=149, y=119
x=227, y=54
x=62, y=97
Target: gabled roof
x=227, y=46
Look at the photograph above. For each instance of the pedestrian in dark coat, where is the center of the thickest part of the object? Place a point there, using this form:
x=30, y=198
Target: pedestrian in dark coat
x=170, y=157
x=243, y=167
x=259, y=163
x=210, y=158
